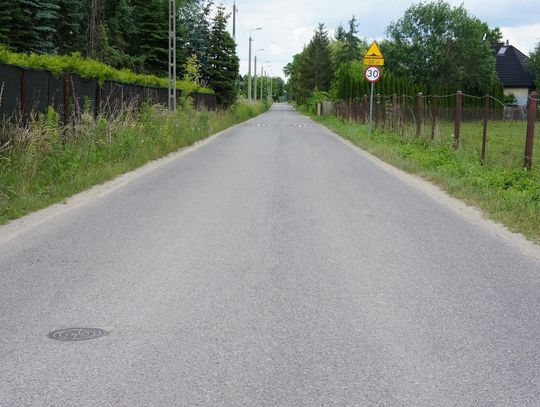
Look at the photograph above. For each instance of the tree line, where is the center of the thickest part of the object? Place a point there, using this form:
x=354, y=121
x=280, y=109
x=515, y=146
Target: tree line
x=130, y=34
x=435, y=48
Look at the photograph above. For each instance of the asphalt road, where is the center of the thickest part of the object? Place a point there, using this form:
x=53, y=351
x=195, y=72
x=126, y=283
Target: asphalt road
x=274, y=266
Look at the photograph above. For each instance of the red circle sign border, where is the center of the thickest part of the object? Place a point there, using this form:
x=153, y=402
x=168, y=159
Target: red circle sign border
x=376, y=80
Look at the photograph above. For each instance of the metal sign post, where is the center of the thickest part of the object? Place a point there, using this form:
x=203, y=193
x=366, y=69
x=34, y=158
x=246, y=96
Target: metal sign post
x=372, y=74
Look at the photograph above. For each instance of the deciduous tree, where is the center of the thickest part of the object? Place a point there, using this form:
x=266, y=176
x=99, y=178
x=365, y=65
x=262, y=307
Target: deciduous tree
x=437, y=43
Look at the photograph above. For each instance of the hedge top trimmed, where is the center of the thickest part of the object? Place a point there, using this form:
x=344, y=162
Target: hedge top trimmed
x=89, y=68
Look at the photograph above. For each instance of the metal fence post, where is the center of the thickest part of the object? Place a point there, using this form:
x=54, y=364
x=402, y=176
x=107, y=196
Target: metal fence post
x=531, y=121
x=484, y=134
x=457, y=123
x=377, y=110
x=403, y=109
x=365, y=109
x=23, y=102
x=419, y=113
x=394, y=111
x=434, y=113
x=67, y=99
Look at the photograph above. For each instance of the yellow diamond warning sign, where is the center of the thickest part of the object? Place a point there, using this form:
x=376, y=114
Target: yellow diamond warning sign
x=374, y=56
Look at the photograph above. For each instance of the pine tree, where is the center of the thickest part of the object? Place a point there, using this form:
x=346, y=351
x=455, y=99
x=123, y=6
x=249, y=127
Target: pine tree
x=6, y=20
x=42, y=16
x=223, y=60
x=21, y=33
x=151, y=41
x=70, y=26
x=318, y=71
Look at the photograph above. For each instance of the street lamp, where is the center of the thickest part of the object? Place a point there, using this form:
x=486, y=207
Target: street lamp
x=255, y=72
x=249, y=68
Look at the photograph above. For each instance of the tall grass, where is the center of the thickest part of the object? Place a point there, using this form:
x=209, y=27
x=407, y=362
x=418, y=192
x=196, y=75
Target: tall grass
x=499, y=186
x=43, y=162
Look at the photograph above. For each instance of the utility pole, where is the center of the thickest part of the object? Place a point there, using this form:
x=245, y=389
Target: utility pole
x=234, y=11
x=263, y=75
x=255, y=76
x=172, y=55
x=262, y=81
x=255, y=72
x=249, y=62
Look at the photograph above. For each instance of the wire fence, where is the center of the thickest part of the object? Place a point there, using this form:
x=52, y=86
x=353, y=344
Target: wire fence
x=428, y=116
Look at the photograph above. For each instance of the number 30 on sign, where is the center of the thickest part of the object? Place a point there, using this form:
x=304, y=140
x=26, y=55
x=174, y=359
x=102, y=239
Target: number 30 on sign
x=373, y=74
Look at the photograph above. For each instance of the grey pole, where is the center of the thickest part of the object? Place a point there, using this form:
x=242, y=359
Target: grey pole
x=371, y=110
x=172, y=56
x=255, y=73
x=249, y=70
x=263, y=76
x=249, y=63
x=262, y=81
x=234, y=10
x=255, y=76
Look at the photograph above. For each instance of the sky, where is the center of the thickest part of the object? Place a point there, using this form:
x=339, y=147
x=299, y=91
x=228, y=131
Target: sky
x=287, y=25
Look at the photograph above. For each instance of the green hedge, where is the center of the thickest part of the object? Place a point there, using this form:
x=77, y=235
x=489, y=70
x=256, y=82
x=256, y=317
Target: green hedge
x=89, y=68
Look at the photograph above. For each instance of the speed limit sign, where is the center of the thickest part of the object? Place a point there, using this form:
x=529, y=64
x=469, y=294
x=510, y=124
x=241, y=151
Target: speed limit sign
x=373, y=74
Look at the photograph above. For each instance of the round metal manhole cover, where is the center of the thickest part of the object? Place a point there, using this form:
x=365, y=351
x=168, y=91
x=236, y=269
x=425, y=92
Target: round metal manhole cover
x=76, y=334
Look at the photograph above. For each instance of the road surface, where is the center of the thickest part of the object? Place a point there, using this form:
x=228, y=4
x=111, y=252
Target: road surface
x=274, y=266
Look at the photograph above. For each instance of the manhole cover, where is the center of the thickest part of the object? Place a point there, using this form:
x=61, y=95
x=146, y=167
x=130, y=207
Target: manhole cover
x=77, y=334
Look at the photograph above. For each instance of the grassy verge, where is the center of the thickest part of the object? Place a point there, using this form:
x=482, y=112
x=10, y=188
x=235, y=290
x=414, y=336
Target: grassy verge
x=45, y=163
x=500, y=187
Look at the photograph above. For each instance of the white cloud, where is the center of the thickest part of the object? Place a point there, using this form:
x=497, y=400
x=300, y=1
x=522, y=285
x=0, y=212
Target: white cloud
x=525, y=37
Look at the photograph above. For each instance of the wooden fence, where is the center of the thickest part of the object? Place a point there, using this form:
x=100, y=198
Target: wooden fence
x=395, y=112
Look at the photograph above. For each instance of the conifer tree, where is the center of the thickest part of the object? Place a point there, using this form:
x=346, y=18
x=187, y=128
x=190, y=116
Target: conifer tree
x=70, y=26
x=151, y=41
x=317, y=70
x=6, y=19
x=224, y=62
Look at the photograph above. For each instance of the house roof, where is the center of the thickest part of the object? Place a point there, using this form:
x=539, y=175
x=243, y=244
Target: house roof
x=513, y=67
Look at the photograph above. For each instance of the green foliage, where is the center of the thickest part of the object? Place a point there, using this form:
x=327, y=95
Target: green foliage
x=317, y=96
x=6, y=18
x=535, y=60
x=130, y=34
x=193, y=32
x=347, y=47
x=223, y=59
x=438, y=44
x=88, y=68
x=311, y=69
x=151, y=41
x=69, y=28
x=46, y=163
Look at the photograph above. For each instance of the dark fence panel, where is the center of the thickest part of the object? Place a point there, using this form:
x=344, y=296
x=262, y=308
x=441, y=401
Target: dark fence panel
x=34, y=91
x=203, y=100
x=10, y=92
x=56, y=93
x=112, y=95
x=83, y=94
x=27, y=91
